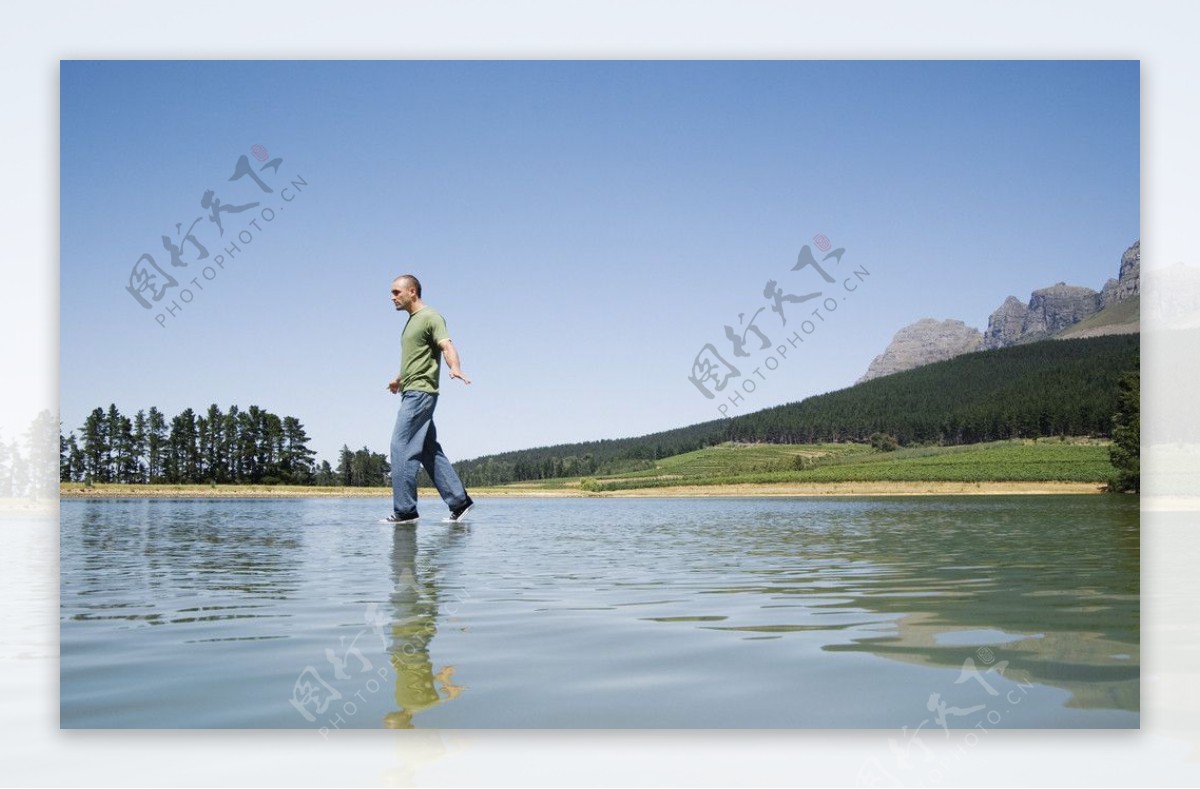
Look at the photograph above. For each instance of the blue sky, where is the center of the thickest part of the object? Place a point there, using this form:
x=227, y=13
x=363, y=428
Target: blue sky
x=585, y=227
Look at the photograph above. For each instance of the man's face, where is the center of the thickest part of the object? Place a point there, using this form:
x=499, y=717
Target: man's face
x=403, y=294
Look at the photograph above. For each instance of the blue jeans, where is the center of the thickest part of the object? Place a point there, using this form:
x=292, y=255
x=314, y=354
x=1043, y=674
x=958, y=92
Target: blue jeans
x=414, y=444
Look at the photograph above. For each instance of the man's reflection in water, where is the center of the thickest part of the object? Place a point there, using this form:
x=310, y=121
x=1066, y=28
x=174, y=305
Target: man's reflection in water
x=414, y=624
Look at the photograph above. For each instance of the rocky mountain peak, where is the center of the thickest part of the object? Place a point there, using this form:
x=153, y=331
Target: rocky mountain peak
x=1129, y=281
x=1005, y=324
x=924, y=342
x=1049, y=312
x=1057, y=307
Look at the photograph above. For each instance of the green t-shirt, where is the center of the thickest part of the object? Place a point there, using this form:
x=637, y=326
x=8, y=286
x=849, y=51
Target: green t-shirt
x=421, y=357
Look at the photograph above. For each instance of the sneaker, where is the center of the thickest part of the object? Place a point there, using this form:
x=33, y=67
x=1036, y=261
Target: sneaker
x=458, y=513
x=398, y=519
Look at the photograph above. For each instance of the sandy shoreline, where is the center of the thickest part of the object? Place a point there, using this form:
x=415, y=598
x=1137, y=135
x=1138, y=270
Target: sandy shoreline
x=76, y=491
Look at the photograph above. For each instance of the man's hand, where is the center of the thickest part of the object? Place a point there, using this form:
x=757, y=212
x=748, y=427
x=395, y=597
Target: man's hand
x=450, y=354
x=394, y=386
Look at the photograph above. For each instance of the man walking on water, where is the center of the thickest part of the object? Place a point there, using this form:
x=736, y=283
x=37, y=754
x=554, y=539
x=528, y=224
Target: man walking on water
x=414, y=440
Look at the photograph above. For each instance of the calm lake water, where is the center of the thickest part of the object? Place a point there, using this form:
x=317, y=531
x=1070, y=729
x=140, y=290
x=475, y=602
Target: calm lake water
x=882, y=612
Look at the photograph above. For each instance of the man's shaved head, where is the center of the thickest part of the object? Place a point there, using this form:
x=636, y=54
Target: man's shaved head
x=410, y=281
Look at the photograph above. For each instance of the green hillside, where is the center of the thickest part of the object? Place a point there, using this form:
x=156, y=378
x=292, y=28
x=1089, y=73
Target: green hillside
x=1047, y=460
x=1061, y=388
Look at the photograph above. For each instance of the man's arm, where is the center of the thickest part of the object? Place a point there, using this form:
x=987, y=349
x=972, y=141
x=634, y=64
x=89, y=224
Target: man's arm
x=450, y=354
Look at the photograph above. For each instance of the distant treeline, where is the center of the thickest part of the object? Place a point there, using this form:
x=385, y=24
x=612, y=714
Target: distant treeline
x=251, y=446
x=1057, y=387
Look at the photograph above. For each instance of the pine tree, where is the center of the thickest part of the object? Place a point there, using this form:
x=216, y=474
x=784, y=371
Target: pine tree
x=230, y=444
x=74, y=460
x=345, y=467
x=139, y=445
x=112, y=457
x=64, y=458
x=1125, y=452
x=182, y=461
x=270, y=447
x=249, y=424
x=214, y=448
x=203, y=466
x=95, y=447
x=156, y=446
x=297, y=459
x=129, y=470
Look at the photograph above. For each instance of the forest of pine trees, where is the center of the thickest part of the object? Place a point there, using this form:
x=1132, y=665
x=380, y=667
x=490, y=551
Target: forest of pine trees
x=253, y=446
